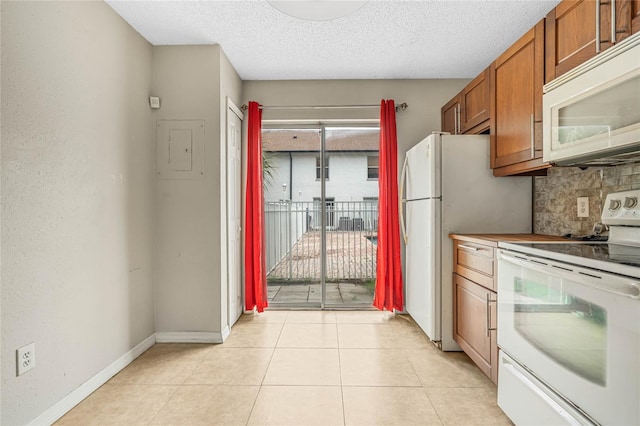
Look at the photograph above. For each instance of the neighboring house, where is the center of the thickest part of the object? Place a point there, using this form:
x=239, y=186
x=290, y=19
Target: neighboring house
x=293, y=193
x=351, y=166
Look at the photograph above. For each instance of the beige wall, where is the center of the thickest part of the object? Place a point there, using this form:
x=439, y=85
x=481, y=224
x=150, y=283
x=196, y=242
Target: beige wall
x=424, y=97
x=77, y=197
x=193, y=82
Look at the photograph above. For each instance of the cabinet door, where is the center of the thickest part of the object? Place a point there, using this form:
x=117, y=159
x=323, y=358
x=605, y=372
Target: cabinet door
x=475, y=324
x=635, y=16
x=623, y=20
x=577, y=30
x=449, y=115
x=474, y=102
x=570, y=35
x=516, y=105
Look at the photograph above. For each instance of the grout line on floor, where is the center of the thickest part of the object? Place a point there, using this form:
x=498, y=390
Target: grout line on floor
x=344, y=411
x=433, y=405
x=166, y=403
x=273, y=351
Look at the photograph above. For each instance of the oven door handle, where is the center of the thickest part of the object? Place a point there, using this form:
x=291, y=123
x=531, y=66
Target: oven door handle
x=591, y=278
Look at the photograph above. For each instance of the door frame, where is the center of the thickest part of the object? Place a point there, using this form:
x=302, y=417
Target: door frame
x=232, y=317
x=322, y=127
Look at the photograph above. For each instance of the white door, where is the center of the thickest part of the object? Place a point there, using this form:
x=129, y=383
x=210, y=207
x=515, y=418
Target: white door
x=422, y=263
x=234, y=215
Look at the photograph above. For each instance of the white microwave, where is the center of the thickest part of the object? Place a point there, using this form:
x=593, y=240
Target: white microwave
x=591, y=115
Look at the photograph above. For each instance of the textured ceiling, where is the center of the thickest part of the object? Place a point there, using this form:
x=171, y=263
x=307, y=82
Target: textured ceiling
x=381, y=40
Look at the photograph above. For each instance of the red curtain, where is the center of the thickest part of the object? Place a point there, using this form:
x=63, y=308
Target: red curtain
x=254, y=248
x=388, y=269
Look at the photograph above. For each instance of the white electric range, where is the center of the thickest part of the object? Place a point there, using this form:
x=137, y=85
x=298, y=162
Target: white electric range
x=569, y=325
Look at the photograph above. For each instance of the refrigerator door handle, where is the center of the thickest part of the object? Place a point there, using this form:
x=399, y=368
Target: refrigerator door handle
x=402, y=178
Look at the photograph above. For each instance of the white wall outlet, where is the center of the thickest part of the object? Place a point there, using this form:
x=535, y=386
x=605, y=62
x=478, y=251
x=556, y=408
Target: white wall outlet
x=583, y=206
x=26, y=358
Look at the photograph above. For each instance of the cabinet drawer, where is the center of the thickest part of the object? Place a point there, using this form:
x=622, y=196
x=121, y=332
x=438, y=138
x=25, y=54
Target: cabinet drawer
x=475, y=262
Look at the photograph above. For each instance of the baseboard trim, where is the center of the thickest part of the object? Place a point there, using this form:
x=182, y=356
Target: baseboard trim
x=87, y=388
x=189, y=337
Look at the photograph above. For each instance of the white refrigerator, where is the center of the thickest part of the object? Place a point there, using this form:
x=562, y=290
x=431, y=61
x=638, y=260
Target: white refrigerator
x=449, y=188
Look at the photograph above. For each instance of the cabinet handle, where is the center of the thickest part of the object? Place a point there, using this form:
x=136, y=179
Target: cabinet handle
x=489, y=302
x=533, y=138
x=459, y=124
x=455, y=120
x=597, y=26
x=613, y=21
x=468, y=247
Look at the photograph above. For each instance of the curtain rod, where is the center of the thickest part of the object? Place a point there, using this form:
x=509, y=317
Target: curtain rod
x=399, y=107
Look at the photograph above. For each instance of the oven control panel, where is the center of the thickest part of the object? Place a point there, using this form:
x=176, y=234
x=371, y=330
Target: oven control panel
x=622, y=208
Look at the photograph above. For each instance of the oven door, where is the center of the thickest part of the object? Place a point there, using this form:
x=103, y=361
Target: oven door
x=576, y=329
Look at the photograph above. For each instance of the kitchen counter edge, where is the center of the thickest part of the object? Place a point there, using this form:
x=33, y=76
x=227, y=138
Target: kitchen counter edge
x=494, y=239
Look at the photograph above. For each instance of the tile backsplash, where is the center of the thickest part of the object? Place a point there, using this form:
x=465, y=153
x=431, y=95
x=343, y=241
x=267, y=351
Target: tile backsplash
x=555, y=205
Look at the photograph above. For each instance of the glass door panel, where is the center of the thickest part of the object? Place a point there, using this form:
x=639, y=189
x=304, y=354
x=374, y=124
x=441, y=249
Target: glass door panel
x=321, y=215
x=601, y=115
x=292, y=194
x=352, y=215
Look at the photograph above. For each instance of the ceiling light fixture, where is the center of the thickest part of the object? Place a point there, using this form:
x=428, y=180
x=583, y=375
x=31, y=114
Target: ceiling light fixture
x=317, y=10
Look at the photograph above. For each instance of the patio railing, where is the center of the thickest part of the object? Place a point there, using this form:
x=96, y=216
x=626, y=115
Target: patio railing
x=293, y=240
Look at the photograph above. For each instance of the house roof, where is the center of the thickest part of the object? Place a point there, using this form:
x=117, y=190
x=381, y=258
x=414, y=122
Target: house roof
x=308, y=140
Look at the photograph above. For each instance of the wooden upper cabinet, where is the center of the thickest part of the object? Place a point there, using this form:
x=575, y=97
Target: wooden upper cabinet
x=516, y=107
x=577, y=30
x=570, y=36
x=626, y=18
x=449, y=115
x=474, y=103
x=635, y=16
x=468, y=111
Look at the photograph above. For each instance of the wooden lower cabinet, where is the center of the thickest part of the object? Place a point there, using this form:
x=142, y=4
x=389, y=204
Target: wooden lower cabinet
x=474, y=324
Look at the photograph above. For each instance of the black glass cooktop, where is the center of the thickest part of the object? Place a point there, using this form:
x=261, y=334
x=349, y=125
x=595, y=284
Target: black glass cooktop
x=601, y=251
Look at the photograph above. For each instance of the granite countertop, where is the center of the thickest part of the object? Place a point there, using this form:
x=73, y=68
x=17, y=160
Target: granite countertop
x=494, y=239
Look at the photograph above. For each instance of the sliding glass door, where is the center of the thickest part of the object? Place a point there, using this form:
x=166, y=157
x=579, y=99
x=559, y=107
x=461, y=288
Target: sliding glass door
x=321, y=215
x=293, y=221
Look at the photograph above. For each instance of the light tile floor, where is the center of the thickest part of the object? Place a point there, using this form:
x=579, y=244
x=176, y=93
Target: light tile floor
x=299, y=368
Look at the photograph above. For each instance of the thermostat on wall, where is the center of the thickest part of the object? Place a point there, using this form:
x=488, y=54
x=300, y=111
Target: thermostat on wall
x=154, y=101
